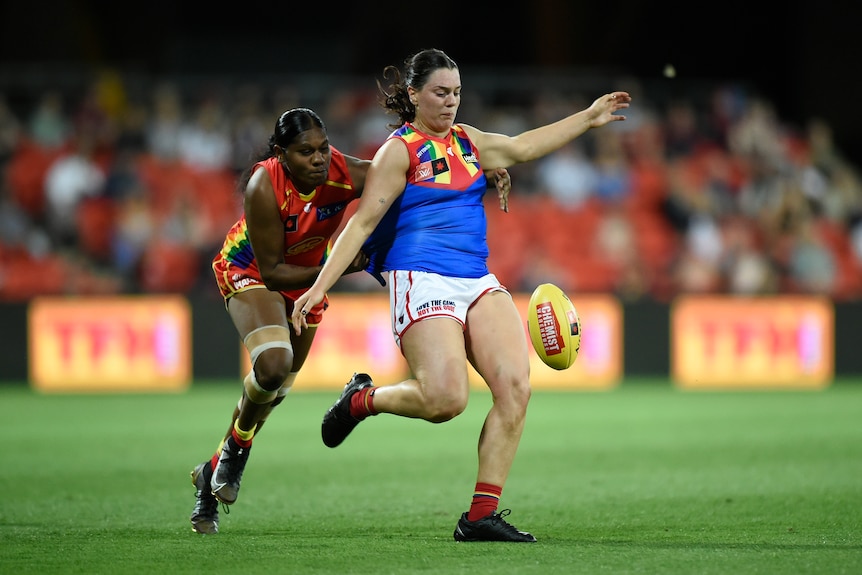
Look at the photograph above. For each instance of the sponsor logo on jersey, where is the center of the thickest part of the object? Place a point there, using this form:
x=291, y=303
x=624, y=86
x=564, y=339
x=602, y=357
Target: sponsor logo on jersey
x=440, y=166
x=428, y=170
x=326, y=212
x=423, y=149
x=423, y=172
x=305, y=245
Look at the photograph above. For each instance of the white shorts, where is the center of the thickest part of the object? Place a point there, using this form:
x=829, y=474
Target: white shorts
x=414, y=296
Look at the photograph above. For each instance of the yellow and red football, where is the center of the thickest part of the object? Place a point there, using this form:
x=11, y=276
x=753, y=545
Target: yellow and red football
x=554, y=326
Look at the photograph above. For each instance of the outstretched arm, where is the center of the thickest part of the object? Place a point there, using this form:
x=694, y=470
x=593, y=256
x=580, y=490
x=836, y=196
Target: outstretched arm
x=501, y=151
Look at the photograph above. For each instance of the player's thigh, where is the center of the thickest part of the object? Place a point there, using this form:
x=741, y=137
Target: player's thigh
x=434, y=350
x=497, y=341
x=302, y=345
x=254, y=308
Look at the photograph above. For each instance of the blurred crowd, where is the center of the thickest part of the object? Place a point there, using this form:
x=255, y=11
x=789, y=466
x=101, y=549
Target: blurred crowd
x=114, y=190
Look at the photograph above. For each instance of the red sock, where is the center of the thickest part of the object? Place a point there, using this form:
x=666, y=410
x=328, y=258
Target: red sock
x=240, y=441
x=362, y=403
x=485, y=500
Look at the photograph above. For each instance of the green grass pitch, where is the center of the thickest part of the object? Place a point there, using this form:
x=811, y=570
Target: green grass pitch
x=640, y=479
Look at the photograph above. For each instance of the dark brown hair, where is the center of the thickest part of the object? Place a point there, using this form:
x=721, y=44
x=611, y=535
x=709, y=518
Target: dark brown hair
x=417, y=68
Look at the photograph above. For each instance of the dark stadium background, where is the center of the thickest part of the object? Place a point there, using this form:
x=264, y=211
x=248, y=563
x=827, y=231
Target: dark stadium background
x=803, y=56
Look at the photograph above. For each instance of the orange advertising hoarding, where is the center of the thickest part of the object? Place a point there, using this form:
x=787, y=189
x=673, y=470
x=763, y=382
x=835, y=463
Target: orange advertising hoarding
x=355, y=335
x=600, y=360
x=134, y=343
x=769, y=343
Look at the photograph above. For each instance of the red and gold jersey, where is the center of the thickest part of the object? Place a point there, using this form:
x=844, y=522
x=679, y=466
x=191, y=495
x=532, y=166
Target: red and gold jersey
x=310, y=220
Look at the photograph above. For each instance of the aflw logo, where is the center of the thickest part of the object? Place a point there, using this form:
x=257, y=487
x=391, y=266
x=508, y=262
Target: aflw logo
x=549, y=329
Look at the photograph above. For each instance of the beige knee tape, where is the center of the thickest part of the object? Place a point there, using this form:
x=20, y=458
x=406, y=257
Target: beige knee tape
x=285, y=387
x=255, y=393
x=267, y=337
x=282, y=391
x=288, y=383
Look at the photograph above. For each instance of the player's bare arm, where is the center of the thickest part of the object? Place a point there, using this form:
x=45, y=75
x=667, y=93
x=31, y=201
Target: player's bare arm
x=266, y=233
x=501, y=151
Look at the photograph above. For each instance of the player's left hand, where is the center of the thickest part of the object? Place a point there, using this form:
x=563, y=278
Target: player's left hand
x=504, y=186
x=603, y=109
